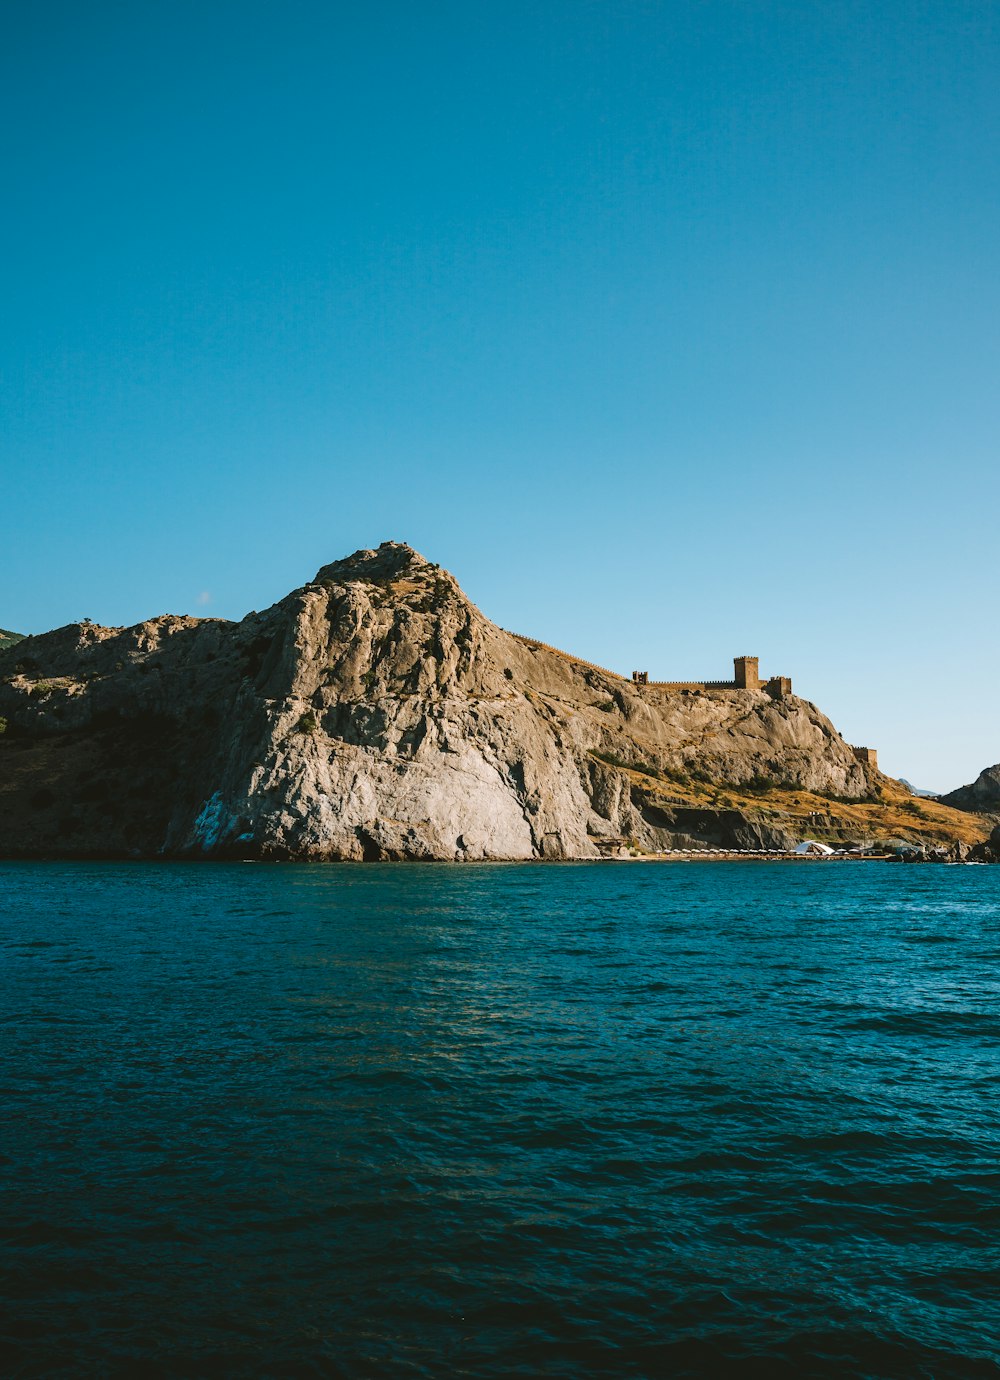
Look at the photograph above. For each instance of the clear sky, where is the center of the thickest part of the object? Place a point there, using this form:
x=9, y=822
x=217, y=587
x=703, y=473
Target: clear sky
x=670, y=328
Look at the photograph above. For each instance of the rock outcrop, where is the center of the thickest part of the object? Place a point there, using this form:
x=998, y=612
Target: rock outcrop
x=375, y=713
x=981, y=797
x=987, y=851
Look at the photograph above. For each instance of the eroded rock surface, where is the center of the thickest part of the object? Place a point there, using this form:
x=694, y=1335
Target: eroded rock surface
x=981, y=797
x=374, y=713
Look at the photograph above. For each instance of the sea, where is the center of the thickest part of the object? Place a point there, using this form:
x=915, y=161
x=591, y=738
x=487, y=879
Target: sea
x=555, y=1120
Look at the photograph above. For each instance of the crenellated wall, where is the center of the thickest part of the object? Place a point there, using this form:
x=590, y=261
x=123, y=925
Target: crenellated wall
x=544, y=646
x=746, y=668
x=693, y=684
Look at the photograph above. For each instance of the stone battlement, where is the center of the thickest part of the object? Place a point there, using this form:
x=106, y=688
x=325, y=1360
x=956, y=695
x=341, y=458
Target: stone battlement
x=690, y=684
x=746, y=677
x=534, y=643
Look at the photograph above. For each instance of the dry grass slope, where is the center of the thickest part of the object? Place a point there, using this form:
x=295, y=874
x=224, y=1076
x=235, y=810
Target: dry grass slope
x=895, y=815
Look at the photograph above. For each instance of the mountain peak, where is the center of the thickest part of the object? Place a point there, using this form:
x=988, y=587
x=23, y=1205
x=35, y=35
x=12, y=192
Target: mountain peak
x=387, y=562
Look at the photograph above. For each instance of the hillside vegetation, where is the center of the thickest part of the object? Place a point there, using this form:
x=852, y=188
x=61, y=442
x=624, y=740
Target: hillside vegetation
x=892, y=814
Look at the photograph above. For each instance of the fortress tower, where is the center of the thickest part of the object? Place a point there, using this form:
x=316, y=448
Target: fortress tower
x=867, y=755
x=747, y=675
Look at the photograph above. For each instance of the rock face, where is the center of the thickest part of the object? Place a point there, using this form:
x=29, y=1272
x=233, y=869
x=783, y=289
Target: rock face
x=989, y=850
x=375, y=713
x=982, y=797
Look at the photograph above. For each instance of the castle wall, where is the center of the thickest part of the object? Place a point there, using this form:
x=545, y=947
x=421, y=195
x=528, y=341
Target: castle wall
x=544, y=646
x=694, y=684
x=746, y=667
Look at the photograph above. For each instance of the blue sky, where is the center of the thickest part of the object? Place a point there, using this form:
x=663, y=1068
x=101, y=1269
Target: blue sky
x=671, y=329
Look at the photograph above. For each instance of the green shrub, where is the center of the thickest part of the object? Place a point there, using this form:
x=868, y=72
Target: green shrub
x=867, y=797
x=307, y=724
x=614, y=761
x=760, y=785
x=434, y=597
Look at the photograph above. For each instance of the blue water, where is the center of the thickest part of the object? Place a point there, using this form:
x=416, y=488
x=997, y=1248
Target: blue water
x=562, y=1121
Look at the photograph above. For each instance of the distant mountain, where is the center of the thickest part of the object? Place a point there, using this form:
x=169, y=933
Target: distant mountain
x=7, y=639
x=915, y=790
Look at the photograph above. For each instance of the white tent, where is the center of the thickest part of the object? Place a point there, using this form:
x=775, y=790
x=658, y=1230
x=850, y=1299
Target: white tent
x=813, y=848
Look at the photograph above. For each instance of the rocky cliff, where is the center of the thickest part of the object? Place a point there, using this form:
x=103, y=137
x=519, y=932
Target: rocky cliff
x=982, y=796
x=376, y=713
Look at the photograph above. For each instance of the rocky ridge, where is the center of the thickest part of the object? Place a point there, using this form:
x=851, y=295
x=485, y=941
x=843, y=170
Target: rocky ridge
x=981, y=797
x=375, y=713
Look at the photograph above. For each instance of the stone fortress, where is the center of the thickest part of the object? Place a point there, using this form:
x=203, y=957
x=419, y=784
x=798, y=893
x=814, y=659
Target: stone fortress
x=746, y=676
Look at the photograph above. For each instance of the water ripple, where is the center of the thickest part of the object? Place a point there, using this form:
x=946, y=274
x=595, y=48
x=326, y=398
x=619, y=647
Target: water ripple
x=580, y=1121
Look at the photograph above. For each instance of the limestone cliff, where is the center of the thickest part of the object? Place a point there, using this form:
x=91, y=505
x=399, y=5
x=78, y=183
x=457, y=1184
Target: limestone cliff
x=376, y=713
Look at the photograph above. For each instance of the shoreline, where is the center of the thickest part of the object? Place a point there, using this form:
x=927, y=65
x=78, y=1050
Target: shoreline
x=678, y=856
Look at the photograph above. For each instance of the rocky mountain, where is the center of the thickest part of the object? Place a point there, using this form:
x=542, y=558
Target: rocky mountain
x=982, y=796
x=375, y=713
x=7, y=639
x=916, y=790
